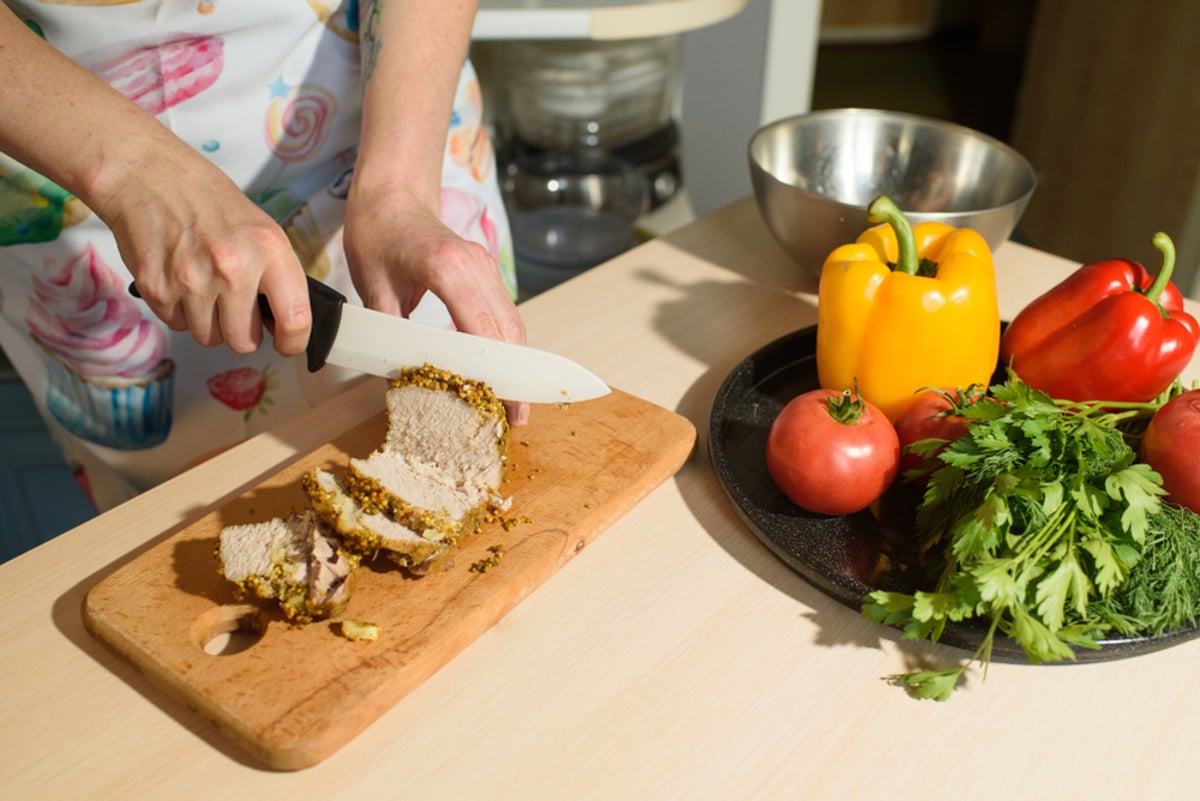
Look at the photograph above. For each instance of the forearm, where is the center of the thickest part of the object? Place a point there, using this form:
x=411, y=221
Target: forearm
x=397, y=247
x=70, y=126
x=200, y=251
x=413, y=52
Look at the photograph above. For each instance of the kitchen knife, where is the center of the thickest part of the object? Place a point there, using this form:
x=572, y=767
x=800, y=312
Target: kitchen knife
x=381, y=344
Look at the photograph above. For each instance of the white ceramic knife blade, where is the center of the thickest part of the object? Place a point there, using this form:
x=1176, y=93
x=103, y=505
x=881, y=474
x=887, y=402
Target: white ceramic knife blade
x=382, y=344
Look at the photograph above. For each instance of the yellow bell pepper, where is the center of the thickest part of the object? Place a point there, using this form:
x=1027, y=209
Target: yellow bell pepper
x=904, y=308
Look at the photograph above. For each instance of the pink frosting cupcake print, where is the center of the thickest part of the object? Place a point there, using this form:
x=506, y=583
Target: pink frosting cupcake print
x=108, y=379
x=160, y=76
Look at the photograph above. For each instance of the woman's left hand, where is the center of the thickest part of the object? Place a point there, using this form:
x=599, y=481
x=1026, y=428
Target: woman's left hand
x=398, y=249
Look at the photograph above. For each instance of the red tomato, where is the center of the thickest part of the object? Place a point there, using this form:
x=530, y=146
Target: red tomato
x=828, y=466
x=1171, y=445
x=924, y=420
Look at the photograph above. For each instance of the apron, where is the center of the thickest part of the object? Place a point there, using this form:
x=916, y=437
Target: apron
x=269, y=91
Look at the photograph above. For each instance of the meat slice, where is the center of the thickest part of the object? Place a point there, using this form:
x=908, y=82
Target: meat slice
x=366, y=533
x=436, y=475
x=439, y=469
x=294, y=561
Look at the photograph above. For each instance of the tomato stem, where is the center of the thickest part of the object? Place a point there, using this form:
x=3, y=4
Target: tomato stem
x=848, y=407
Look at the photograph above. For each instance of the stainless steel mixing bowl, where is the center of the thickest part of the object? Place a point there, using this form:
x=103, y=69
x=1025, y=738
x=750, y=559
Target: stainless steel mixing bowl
x=814, y=175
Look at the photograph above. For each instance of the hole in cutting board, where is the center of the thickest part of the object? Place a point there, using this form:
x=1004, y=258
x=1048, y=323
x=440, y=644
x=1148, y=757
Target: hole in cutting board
x=227, y=630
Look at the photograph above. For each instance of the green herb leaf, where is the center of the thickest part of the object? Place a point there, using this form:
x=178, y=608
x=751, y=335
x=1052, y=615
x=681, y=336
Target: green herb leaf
x=1141, y=488
x=888, y=608
x=1065, y=584
x=996, y=582
x=1036, y=639
x=929, y=606
x=1109, y=570
x=936, y=685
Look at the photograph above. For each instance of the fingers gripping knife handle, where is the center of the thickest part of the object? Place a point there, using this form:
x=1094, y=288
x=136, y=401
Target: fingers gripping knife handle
x=326, y=303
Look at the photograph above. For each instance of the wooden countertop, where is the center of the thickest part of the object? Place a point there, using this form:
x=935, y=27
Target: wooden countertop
x=675, y=657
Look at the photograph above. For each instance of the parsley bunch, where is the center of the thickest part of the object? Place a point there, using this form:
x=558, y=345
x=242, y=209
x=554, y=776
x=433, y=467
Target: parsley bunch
x=1031, y=522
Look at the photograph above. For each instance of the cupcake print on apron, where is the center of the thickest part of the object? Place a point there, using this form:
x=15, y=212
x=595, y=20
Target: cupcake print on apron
x=108, y=380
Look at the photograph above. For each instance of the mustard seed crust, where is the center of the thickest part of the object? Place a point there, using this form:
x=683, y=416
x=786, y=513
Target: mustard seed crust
x=434, y=525
x=358, y=538
x=364, y=519
x=476, y=394
x=301, y=595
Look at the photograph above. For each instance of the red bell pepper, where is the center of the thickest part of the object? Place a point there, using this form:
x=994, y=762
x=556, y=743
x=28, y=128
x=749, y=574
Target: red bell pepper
x=1109, y=331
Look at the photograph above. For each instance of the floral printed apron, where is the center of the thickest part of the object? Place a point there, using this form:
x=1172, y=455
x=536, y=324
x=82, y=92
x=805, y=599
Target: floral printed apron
x=269, y=90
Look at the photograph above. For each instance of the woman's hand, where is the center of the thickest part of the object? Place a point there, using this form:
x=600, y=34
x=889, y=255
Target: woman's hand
x=200, y=251
x=398, y=249
x=396, y=244
x=201, y=254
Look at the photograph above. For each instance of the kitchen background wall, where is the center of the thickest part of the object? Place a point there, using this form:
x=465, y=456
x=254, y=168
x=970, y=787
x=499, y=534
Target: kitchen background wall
x=1099, y=95
x=738, y=74
x=958, y=60
x=1109, y=115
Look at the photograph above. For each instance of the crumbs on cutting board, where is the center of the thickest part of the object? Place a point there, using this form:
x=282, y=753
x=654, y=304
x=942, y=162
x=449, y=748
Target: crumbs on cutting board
x=486, y=564
x=357, y=630
x=509, y=523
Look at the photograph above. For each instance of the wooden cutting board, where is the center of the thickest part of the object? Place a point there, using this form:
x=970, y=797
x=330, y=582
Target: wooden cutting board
x=295, y=694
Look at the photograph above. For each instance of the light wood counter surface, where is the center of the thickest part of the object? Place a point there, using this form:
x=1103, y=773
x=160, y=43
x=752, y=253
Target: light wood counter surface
x=674, y=658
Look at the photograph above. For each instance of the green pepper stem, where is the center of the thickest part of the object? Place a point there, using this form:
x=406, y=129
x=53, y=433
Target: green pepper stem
x=882, y=209
x=1167, y=248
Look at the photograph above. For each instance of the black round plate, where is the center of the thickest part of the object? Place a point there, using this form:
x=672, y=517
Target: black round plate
x=845, y=557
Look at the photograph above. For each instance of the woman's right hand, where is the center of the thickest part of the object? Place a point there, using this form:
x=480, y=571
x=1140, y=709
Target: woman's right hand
x=201, y=253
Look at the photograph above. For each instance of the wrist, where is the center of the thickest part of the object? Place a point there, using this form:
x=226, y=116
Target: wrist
x=399, y=192
x=126, y=173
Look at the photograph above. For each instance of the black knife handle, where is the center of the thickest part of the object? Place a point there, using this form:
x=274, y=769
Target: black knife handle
x=326, y=303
